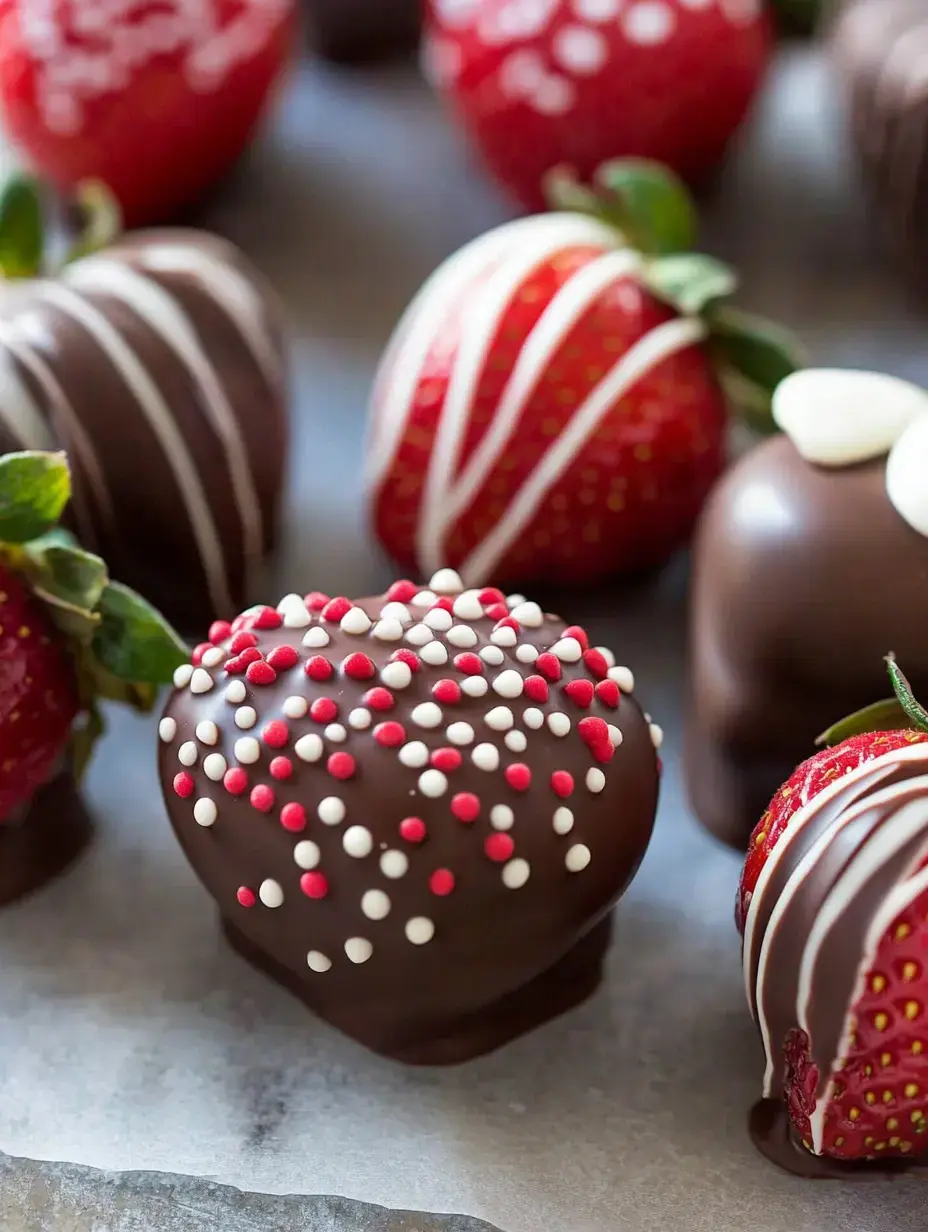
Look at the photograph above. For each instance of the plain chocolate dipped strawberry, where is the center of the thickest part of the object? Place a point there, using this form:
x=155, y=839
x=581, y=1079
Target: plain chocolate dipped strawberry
x=415, y=811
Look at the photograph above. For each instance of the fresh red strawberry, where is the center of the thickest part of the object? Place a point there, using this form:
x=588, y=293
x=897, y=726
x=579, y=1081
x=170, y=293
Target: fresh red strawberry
x=551, y=404
x=156, y=101
x=537, y=83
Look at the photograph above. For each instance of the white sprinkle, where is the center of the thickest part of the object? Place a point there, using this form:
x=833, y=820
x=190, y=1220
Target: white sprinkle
x=205, y=812
x=439, y=620
x=558, y=723
x=247, y=750
x=375, y=904
x=462, y=636
x=317, y=961
x=446, y=582
x=307, y=854
x=580, y=50
x=486, y=757
x=418, y=635
x=295, y=707
x=623, y=677
x=427, y=715
x=533, y=718
x=396, y=675
x=167, y=730
x=331, y=811
x=597, y=10
x=201, y=681
x=435, y=654
x=336, y=733
x=236, y=692
x=388, y=630
x=504, y=636
x=501, y=817
x=492, y=656
x=214, y=766
x=615, y=736
x=294, y=611
x=309, y=747
x=527, y=653
x=182, y=675
x=316, y=638
x=207, y=732
x=425, y=598
x=577, y=858
x=271, y=893
x=358, y=949
x=475, y=686
x=649, y=23
x=245, y=717
x=355, y=622
x=563, y=820
x=568, y=650
x=358, y=841
x=396, y=611
x=393, y=864
x=515, y=600
x=595, y=780
x=509, y=684
x=414, y=754
x=657, y=735
x=432, y=783
x=607, y=655
x=460, y=733
x=359, y=718
x=515, y=874
x=419, y=930
x=499, y=718
x=212, y=658
x=516, y=741
x=468, y=606
x=187, y=753
x=528, y=614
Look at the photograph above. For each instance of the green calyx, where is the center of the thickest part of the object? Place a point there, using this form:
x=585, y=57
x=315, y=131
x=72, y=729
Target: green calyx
x=93, y=221
x=652, y=211
x=122, y=649
x=902, y=712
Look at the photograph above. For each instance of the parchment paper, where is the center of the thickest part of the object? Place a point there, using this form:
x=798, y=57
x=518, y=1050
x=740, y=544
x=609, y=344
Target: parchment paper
x=131, y=1038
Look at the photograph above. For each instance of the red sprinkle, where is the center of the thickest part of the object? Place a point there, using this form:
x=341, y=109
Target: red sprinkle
x=199, y=651
x=235, y=781
x=536, y=688
x=282, y=658
x=402, y=591
x=549, y=666
x=219, y=630
x=390, y=735
x=358, y=666
x=281, y=768
x=603, y=750
x=466, y=806
x=246, y=897
x=563, y=783
x=262, y=798
x=335, y=609
x=468, y=663
x=260, y=672
x=323, y=710
x=595, y=662
x=578, y=634
x=518, y=776
x=266, y=618
x=508, y=622
x=446, y=603
x=184, y=784
x=441, y=882
x=412, y=829
x=378, y=699
x=409, y=657
x=608, y=693
x=447, y=691
x=276, y=734
x=445, y=759
x=580, y=692
x=242, y=641
x=293, y=817
x=499, y=847
x=496, y=611
x=235, y=667
x=591, y=730
x=315, y=601
x=318, y=668
x=490, y=594
x=314, y=885
x=341, y=765
x=239, y=622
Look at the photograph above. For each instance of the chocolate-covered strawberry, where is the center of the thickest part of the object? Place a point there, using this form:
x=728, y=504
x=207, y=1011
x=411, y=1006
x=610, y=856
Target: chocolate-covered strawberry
x=833, y=907
x=69, y=637
x=415, y=810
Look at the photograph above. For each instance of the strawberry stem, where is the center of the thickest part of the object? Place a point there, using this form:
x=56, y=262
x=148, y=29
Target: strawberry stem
x=904, y=695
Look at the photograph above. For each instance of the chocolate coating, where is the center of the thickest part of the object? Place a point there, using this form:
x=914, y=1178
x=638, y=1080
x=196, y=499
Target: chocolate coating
x=803, y=580
x=514, y=928
x=160, y=367
x=43, y=840
x=353, y=31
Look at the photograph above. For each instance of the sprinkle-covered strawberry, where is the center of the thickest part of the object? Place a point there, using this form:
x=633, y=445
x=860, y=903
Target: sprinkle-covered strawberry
x=554, y=402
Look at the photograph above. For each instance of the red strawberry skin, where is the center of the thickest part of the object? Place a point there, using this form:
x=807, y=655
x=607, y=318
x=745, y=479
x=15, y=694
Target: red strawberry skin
x=158, y=134
x=583, y=81
x=38, y=700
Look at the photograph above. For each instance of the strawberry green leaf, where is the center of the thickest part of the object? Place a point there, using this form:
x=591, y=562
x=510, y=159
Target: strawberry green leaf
x=67, y=572
x=75, y=623
x=134, y=642
x=658, y=211
x=34, y=489
x=84, y=737
x=887, y=715
x=22, y=240
x=690, y=282
x=917, y=714
x=754, y=355
x=101, y=216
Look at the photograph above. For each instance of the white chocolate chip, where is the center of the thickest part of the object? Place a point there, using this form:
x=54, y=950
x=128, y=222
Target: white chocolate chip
x=615, y=736
x=358, y=949
x=568, y=650
x=607, y=655
x=419, y=930
x=435, y=654
x=563, y=820
x=468, y=606
x=236, y=692
x=475, y=686
x=336, y=733
x=247, y=750
x=388, y=630
x=331, y=811
x=393, y=864
x=558, y=723
x=595, y=780
x=396, y=675
x=502, y=817
x=246, y=717
x=460, y=733
x=396, y=611
x=419, y=635
x=492, y=656
x=271, y=893
x=427, y=715
x=485, y=757
x=577, y=858
x=355, y=621
x=182, y=675
x=438, y=619
x=212, y=658
x=446, y=582
x=375, y=904
x=527, y=653
x=214, y=766
x=316, y=638
x=207, y=732
x=462, y=636
x=292, y=609
x=516, y=741
x=425, y=598
x=509, y=684
x=515, y=874
x=295, y=707
x=432, y=783
x=414, y=754
x=499, y=718
x=306, y=854
x=309, y=747
x=528, y=614
x=504, y=636
x=657, y=735
x=358, y=842
x=360, y=718
x=533, y=718
x=317, y=961
x=201, y=681
x=205, y=812
x=187, y=753
x=167, y=730
x=515, y=601
x=623, y=677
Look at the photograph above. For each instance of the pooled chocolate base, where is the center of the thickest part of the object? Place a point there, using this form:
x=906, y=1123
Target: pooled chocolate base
x=40, y=844
x=773, y=1135
x=453, y=1041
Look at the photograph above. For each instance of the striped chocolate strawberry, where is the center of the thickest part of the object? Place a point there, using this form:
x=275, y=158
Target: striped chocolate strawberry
x=833, y=907
x=553, y=403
